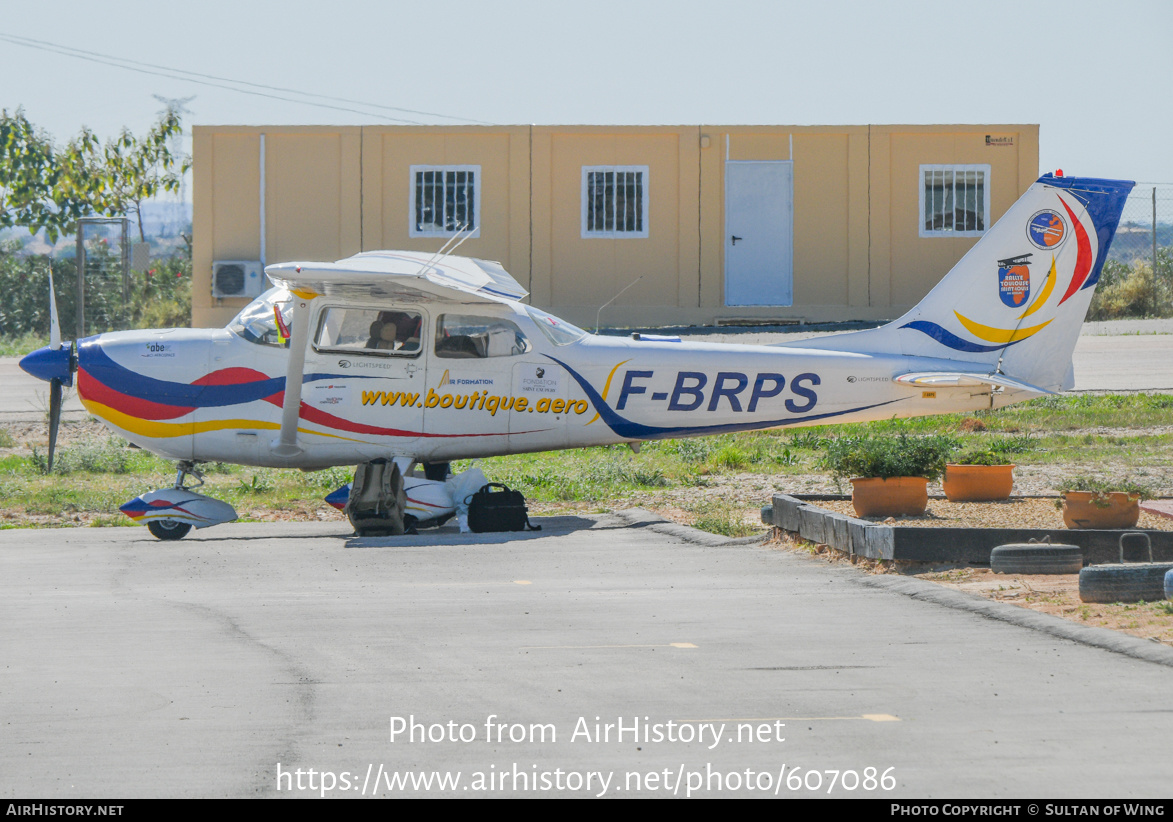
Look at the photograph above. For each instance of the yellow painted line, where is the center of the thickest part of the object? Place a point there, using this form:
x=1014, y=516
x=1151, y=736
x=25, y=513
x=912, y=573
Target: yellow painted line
x=522, y=582
x=681, y=644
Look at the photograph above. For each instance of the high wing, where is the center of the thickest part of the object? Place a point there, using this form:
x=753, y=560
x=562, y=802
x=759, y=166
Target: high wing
x=404, y=275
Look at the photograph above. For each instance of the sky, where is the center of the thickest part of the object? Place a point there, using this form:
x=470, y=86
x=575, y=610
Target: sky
x=1093, y=75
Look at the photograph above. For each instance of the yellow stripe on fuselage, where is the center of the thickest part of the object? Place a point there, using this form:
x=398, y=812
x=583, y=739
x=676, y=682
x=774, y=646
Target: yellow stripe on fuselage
x=166, y=430
x=607, y=388
x=1048, y=287
x=999, y=335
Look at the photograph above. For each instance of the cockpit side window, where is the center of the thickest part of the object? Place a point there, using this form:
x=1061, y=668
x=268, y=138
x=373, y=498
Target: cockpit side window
x=369, y=331
x=465, y=336
x=265, y=321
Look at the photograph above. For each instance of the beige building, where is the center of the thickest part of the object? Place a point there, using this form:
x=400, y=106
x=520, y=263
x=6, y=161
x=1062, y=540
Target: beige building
x=700, y=224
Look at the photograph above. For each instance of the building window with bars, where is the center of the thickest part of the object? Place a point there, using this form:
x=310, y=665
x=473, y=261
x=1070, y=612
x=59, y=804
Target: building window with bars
x=615, y=201
x=954, y=200
x=445, y=200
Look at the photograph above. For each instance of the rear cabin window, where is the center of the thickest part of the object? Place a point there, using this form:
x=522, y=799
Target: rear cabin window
x=369, y=331
x=466, y=336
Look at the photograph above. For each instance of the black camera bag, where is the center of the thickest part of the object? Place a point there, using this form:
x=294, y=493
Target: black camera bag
x=490, y=509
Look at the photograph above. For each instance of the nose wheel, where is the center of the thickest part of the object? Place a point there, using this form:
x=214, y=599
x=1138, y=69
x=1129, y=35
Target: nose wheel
x=170, y=513
x=168, y=529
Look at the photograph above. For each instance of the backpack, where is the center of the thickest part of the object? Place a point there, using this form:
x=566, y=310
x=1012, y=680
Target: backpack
x=376, y=502
x=498, y=510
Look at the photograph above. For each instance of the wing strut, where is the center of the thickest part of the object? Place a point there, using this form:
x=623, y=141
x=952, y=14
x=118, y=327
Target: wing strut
x=286, y=444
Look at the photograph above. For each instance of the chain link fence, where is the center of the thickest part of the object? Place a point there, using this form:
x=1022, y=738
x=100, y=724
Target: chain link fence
x=1146, y=226
x=1137, y=280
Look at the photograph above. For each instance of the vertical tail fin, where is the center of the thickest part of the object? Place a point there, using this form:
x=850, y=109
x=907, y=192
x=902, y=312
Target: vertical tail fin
x=1015, y=302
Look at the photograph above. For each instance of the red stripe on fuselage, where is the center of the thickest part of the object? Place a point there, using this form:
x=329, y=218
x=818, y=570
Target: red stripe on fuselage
x=1083, y=259
x=232, y=376
x=90, y=388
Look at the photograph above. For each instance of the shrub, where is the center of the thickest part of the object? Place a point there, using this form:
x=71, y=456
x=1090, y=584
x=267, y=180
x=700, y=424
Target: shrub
x=1134, y=290
x=995, y=452
x=887, y=457
x=159, y=297
x=108, y=456
x=1103, y=487
x=979, y=456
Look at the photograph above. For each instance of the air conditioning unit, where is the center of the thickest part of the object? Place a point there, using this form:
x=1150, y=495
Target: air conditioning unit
x=238, y=278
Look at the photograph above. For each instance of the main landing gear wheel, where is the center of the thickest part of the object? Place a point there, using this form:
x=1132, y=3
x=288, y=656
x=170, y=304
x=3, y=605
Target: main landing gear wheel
x=168, y=529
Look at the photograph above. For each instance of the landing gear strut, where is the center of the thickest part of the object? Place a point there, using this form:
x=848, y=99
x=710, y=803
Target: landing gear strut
x=183, y=468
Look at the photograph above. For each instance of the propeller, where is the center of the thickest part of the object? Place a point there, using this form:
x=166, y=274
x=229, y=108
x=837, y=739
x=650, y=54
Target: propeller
x=54, y=364
x=55, y=383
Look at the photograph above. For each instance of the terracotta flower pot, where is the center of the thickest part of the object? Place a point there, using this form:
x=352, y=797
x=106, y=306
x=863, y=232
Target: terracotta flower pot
x=1085, y=509
x=978, y=483
x=875, y=497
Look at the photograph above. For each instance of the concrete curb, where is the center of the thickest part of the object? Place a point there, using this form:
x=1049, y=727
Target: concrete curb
x=1109, y=640
x=640, y=517
x=874, y=540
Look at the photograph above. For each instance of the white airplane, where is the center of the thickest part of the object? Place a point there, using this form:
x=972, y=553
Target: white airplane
x=392, y=355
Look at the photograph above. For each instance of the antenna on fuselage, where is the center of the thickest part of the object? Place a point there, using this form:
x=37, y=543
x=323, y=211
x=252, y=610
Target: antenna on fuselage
x=613, y=299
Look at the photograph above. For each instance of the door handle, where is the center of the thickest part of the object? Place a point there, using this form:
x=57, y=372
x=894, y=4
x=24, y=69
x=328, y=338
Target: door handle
x=735, y=239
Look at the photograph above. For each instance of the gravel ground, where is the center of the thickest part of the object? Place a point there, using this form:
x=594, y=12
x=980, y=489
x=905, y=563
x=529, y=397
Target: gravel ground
x=1054, y=594
x=1017, y=512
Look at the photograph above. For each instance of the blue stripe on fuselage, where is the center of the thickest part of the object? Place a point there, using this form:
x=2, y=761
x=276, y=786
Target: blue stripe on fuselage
x=102, y=367
x=639, y=431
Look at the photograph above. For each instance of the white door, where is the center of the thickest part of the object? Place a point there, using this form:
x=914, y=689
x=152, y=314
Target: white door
x=759, y=232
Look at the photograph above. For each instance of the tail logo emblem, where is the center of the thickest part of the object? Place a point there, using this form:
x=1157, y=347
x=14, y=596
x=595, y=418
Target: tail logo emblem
x=1014, y=280
x=1046, y=229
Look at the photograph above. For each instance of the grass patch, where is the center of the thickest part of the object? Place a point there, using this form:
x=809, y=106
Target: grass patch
x=94, y=477
x=718, y=517
x=20, y=344
x=112, y=455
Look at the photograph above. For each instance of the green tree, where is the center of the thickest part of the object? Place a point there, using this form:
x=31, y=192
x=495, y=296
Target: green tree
x=27, y=170
x=41, y=186
x=135, y=170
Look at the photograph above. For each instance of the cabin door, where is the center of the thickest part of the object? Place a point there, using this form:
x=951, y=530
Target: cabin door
x=364, y=381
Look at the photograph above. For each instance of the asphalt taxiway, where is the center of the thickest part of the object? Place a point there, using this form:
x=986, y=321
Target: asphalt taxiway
x=213, y=665
x=274, y=659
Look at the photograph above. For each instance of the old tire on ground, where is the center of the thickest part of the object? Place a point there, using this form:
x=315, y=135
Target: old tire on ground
x=168, y=529
x=1031, y=558
x=1142, y=582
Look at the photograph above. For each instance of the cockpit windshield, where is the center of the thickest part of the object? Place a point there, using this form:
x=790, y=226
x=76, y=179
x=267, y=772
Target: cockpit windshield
x=265, y=321
x=556, y=330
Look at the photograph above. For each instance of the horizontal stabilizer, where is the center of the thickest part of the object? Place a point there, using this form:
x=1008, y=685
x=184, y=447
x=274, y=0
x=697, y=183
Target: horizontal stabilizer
x=966, y=379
